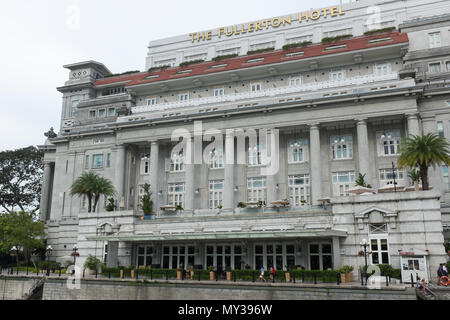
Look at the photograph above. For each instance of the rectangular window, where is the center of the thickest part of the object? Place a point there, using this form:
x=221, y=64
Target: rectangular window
x=299, y=39
x=216, y=159
x=145, y=164
x=342, y=147
x=381, y=69
x=108, y=160
x=151, y=101
x=92, y=114
x=388, y=142
x=387, y=177
x=434, y=39
x=256, y=189
x=102, y=113
x=380, y=251
x=175, y=196
x=295, y=82
x=74, y=107
x=342, y=181
x=447, y=65
x=215, y=193
x=299, y=191
x=111, y=112
x=184, y=96
x=337, y=75
x=445, y=178
x=97, y=161
x=440, y=128
x=298, y=151
x=255, y=87
x=263, y=45
x=219, y=92
x=254, y=156
x=86, y=162
x=177, y=162
x=434, y=67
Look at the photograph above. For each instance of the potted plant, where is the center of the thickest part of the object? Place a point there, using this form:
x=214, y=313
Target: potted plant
x=191, y=272
x=92, y=264
x=211, y=273
x=179, y=208
x=414, y=175
x=287, y=275
x=132, y=273
x=146, y=202
x=241, y=205
x=346, y=274
x=111, y=206
x=229, y=273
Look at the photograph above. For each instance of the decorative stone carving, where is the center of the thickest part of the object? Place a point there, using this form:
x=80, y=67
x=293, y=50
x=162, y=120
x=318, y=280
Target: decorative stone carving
x=108, y=228
x=50, y=134
x=376, y=215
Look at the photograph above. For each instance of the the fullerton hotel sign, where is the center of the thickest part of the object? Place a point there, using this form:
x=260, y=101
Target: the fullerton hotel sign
x=306, y=16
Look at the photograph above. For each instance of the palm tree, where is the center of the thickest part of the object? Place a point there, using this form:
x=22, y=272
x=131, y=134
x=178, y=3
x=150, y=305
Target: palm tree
x=422, y=152
x=92, y=185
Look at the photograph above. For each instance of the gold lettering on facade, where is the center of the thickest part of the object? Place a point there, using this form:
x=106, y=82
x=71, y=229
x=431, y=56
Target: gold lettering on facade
x=274, y=23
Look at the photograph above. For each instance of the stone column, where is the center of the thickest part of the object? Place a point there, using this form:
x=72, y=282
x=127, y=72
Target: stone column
x=315, y=167
x=434, y=175
x=336, y=253
x=274, y=169
x=413, y=125
x=154, y=173
x=46, y=192
x=228, y=182
x=189, y=176
x=112, y=258
x=119, y=180
x=363, y=150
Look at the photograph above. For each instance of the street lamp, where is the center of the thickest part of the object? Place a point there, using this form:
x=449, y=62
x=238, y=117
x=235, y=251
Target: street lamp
x=75, y=254
x=48, y=253
x=364, y=243
x=14, y=253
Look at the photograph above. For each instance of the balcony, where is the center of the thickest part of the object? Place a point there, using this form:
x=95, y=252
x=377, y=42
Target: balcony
x=266, y=93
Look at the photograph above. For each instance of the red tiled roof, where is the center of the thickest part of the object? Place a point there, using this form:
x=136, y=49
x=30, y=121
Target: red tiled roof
x=273, y=57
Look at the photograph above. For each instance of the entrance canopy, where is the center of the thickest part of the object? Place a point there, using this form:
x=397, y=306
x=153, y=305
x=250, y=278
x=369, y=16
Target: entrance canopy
x=224, y=236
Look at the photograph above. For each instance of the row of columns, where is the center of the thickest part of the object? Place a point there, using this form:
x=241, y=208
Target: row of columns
x=364, y=163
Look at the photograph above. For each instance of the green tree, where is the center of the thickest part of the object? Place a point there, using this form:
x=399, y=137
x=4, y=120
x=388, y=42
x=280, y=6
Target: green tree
x=362, y=182
x=92, y=185
x=422, y=152
x=146, y=202
x=22, y=230
x=20, y=179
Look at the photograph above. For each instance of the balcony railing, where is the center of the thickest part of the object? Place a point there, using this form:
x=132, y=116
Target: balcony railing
x=270, y=92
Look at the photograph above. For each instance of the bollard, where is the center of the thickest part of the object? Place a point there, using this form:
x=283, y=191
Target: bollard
x=60, y=272
x=217, y=276
x=293, y=278
x=109, y=275
x=303, y=278
x=362, y=279
x=27, y=269
x=338, y=279
x=167, y=275
x=387, y=281
x=315, y=279
x=137, y=273
x=96, y=272
x=412, y=281
x=199, y=275
x=253, y=276
x=234, y=276
x=151, y=274
x=17, y=271
x=37, y=271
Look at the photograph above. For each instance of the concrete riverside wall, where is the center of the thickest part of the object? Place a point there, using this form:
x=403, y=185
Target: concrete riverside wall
x=126, y=290
x=15, y=288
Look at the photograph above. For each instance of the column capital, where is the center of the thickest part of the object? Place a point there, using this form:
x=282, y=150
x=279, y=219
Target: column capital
x=361, y=121
x=412, y=116
x=313, y=125
x=153, y=141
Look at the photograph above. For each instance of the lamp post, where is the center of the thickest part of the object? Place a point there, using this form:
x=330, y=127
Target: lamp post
x=364, y=243
x=14, y=253
x=75, y=254
x=48, y=253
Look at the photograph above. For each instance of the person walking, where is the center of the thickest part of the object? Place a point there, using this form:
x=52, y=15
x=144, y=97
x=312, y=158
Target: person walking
x=272, y=273
x=261, y=275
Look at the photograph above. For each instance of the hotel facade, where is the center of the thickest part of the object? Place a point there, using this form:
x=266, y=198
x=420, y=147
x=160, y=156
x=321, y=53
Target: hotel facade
x=251, y=145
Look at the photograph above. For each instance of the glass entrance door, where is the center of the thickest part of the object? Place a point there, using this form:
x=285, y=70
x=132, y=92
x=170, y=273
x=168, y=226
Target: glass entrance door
x=320, y=256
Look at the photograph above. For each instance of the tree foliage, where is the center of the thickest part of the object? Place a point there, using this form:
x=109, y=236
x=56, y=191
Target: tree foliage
x=20, y=179
x=92, y=185
x=361, y=181
x=22, y=230
x=423, y=152
x=146, y=202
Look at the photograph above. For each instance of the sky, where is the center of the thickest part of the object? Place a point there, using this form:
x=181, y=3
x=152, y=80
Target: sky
x=38, y=37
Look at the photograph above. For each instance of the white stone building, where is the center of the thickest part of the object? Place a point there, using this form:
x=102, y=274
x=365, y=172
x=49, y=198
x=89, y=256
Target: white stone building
x=334, y=109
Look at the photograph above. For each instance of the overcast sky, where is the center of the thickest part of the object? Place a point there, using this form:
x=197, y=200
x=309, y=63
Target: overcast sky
x=39, y=37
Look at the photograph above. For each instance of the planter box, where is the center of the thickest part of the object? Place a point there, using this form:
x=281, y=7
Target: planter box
x=212, y=276
x=132, y=274
x=192, y=275
x=346, y=277
x=121, y=273
x=228, y=275
x=179, y=274
x=288, y=277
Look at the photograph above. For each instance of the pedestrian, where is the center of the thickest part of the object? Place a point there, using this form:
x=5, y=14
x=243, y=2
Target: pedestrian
x=272, y=273
x=261, y=275
x=439, y=273
x=419, y=283
x=444, y=270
